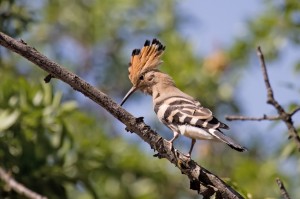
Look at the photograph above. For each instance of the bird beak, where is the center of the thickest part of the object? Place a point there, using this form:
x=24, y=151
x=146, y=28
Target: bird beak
x=132, y=90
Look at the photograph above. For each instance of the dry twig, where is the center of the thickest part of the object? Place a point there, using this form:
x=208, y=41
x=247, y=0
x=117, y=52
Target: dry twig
x=201, y=179
x=282, y=114
x=244, y=118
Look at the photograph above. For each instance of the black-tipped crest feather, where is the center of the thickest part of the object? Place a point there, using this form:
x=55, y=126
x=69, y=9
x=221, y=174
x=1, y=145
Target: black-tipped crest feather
x=147, y=43
x=146, y=59
x=136, y=52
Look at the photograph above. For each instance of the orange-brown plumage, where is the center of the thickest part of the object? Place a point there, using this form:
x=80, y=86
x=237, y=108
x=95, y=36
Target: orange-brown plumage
x=144, y=60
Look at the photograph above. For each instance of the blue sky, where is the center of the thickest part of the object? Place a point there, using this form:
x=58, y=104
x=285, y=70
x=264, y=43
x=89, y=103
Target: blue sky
x=217, y=22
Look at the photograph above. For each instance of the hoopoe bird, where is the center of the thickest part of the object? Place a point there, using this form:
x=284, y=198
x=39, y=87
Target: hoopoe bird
x=178, y=111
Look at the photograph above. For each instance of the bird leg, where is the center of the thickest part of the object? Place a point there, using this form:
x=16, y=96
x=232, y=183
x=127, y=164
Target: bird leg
x=191, y=149
x=176, y=134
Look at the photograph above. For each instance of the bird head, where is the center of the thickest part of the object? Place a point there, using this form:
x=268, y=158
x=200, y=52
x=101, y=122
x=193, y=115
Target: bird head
x=143, y=67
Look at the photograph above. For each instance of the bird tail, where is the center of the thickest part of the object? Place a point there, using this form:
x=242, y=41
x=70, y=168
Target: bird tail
x=230, y=142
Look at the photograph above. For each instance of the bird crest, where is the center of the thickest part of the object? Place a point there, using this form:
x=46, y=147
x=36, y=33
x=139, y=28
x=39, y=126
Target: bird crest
x=145, y=59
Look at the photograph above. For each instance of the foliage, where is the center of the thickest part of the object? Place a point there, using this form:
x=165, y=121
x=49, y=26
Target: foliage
x=277, y=26
x=102, y=41
x=57, y=149
x=14, y=16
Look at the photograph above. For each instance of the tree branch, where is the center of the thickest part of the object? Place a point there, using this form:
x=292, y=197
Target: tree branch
x=282, y=114
x=295, y=111
x=18, y=187
x=271, y=100
x=201, y=179
x=283, y=191
x=245, y=118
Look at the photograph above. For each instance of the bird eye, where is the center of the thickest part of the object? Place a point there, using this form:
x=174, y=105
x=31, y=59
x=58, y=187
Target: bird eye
x=142, y=77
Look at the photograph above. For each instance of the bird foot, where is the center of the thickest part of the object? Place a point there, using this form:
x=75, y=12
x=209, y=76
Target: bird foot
x=170, y=145
x=187, y=155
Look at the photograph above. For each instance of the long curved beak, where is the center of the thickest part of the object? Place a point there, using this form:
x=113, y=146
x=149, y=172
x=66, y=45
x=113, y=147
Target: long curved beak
x=132, y=90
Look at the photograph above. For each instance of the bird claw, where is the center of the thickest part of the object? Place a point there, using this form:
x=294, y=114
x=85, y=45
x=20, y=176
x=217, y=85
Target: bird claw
x=187, y=155
x=170, y=145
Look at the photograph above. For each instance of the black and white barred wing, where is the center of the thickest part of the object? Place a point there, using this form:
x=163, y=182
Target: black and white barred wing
x=191, y=119
x=179, y=110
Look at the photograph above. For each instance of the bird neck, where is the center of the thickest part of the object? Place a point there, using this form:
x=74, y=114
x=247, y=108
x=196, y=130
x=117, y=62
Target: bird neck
x=163, y=89
x=163, y=82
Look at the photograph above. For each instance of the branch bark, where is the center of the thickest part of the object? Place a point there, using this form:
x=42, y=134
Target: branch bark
x=287, y=118
x=245, y=118
x=283, y=191
x=201, y=179
x=18, y=187
x=282, y=114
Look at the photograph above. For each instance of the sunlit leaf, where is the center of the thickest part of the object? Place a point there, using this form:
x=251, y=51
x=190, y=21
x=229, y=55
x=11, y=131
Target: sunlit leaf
x=7, y=118
x=37, y=99
x=68, y=106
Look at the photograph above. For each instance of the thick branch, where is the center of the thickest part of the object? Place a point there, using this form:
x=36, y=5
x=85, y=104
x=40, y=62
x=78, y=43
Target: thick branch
x=283, y=191
x=201, y=179
x=18, y=187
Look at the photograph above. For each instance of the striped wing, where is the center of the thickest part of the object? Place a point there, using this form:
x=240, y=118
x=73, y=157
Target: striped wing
x=180, y=110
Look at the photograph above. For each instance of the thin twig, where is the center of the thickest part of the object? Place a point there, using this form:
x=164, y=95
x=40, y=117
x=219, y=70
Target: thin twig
x=271, y=100
x=294, y=111
x=246, y=118
x=18, y=187
x=282, y=114
x=270, y=94
x=201, y=179
x=283, y=191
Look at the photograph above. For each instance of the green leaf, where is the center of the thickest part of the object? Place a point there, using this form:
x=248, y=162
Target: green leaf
x=68, y=106
x=56, y=99
x=8, y=119
x=37, y=99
